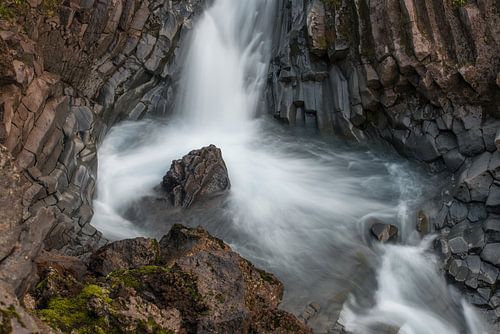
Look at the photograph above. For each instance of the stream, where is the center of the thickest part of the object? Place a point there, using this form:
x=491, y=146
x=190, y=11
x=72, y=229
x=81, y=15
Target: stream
x=300, y=204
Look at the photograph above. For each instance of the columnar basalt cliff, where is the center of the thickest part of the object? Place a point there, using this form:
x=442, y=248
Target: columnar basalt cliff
x=422, y=75
x=68, y=71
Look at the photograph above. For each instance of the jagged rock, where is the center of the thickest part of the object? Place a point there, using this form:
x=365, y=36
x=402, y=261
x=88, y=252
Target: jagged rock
x=459, y=270
x=199, y=174
x=197, y=285
x=316, y=27
x=488, y=273
x=458, y=212
x=14, y=318
x=494, y=166
x=446, y=142
x=457, y=240
x=493, y=201
x=422, y=222
x=470, y=142
x=384, y=232
x=492, y=224
x=130, y=253
x=388, y=71
x=453, y=160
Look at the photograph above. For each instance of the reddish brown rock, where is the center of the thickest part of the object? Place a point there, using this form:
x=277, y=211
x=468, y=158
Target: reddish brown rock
x=196, y=285
x=130, y=253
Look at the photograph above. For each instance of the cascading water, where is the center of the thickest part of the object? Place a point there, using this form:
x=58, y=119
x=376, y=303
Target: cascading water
x=299, y=204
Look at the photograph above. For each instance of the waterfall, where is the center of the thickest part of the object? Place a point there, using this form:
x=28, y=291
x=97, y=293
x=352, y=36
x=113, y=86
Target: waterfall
x=299, y=204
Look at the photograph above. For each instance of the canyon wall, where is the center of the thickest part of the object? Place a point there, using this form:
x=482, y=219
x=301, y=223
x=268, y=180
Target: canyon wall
x=424, y=77
x=68, y=72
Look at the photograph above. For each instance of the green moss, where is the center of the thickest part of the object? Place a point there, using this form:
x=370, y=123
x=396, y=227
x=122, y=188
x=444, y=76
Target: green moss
x=95, y=291
x=266, y=276
x=51, y=7
x=152, y=327
x=132, y=277
x=7, y=315
x=67, y=314
x=11, y=9
x=459, y=3
x=156, y=249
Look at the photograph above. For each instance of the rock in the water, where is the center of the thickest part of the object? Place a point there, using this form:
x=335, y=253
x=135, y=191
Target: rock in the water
x=199, y=174
x=422, y=222
x=491, y=253
x=384, y=232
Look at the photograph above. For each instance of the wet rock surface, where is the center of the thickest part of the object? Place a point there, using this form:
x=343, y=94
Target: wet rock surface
x=201, y=174
x=421, y=77
x=384, y=232
x=189, y=282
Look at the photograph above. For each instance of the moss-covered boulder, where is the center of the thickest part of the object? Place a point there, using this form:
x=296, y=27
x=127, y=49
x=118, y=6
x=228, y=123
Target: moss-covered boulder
x=189, y=282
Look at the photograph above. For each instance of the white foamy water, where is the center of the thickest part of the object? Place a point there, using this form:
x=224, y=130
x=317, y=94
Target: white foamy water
x=299, y=203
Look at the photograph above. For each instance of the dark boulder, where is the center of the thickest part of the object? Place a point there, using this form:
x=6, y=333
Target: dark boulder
x=199, y=174
x=384, y=232
x=491, y=253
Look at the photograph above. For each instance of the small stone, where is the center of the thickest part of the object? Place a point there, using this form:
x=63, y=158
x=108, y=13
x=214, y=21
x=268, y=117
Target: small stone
x=422, y=222
x=384, y=232
x=472, y=281
x=494, y=166
x=475, y=237
x=474, y=263
x=456, y=239
x=488, y=273
x=453, y=159
x=492, y=224
x=388, y=71
x=489, y=134
x=477, y=212
x=493, y=201
x=439, y=220
x=470, y=142
x=495, y=300
x=476, y=299
x=485, y=293
x=445, y=142
x=458, y=211
x=458, y=269
x=491, y=253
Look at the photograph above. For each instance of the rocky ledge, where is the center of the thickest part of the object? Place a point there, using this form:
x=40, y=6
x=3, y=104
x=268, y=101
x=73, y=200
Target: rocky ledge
x=188, y=282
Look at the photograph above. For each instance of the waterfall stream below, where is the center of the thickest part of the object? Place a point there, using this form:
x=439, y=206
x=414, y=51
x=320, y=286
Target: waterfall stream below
x=300, y=204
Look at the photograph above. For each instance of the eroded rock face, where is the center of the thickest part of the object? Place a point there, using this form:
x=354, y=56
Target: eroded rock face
x=199, y=174
x=422, y=76
x=189, y=282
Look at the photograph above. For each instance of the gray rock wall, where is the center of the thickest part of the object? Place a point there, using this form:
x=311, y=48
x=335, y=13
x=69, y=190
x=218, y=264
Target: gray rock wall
x=421, y=75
